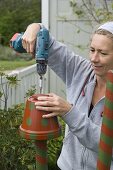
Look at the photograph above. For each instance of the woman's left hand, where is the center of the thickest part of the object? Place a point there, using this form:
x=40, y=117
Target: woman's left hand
x=55, y=105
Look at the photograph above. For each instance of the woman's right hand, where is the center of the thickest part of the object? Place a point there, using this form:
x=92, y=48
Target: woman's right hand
x=29, y=37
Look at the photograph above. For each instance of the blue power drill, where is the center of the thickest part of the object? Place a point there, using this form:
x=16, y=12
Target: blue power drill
x=41, y=50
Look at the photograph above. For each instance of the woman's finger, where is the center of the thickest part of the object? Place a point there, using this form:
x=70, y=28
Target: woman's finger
x=50, y=115
x=32, y=47
x=28, y=47
x=45, y=98
x=48, y=109
x=24, y=44
x=44, y=103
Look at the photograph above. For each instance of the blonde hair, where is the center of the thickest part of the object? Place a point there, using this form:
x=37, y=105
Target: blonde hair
x=104, y=32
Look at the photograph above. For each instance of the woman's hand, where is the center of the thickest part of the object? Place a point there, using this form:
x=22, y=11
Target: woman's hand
x=55, y=105
x=29, y=37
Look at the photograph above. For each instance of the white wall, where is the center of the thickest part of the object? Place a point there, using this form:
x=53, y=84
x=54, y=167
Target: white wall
x=58, y=16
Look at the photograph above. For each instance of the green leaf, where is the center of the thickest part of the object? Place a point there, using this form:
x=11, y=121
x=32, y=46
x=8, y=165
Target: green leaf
x=12, y=80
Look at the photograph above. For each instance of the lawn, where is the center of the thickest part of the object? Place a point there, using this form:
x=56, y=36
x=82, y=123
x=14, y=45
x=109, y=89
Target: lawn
x=12, y=65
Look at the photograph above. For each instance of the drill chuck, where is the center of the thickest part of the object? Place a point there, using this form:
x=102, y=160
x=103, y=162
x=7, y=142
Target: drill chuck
x=41, y=67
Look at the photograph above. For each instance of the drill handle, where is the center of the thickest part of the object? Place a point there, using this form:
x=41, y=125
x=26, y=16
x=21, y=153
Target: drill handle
x=42, y=44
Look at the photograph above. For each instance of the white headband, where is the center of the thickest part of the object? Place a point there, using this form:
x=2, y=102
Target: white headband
x=107, y=26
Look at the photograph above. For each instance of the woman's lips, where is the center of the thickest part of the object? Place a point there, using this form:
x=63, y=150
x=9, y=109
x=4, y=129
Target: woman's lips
x=96, y=67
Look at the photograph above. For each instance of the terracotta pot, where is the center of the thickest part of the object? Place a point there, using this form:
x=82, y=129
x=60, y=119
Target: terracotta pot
x=34, y=127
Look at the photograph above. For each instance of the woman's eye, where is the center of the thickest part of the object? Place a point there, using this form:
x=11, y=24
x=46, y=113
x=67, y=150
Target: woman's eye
x=92, y=50
x=103, y=53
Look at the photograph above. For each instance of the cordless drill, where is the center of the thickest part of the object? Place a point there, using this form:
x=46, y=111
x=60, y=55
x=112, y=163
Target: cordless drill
x=41, y=50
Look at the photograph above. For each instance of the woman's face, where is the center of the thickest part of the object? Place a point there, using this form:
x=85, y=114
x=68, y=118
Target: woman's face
x=101, y=54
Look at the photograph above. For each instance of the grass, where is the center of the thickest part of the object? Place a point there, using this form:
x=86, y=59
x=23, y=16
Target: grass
x=12, y=65
x=11, y=60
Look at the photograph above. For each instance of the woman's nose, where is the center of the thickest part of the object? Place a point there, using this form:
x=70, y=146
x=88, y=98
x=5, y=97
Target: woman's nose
x=95, y=57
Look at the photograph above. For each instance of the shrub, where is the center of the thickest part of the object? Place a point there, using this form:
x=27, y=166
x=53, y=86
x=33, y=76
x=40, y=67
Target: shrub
x=17, y=153
x=7, y=54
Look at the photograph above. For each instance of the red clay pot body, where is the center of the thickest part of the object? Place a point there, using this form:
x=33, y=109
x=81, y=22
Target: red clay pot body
x=34, y=127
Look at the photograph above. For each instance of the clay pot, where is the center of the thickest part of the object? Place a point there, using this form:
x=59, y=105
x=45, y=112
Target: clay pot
x=34, y=127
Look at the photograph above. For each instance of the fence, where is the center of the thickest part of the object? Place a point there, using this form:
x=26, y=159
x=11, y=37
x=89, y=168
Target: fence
x=28, y=77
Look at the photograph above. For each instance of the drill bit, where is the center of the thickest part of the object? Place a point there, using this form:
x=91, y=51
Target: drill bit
x=41, y=84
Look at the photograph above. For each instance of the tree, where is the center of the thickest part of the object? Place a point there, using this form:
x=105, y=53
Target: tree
x=94, y=11
x=87, y=15
x=16, y=15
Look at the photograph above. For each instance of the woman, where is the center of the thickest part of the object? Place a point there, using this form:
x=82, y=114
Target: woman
x=85, y=87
